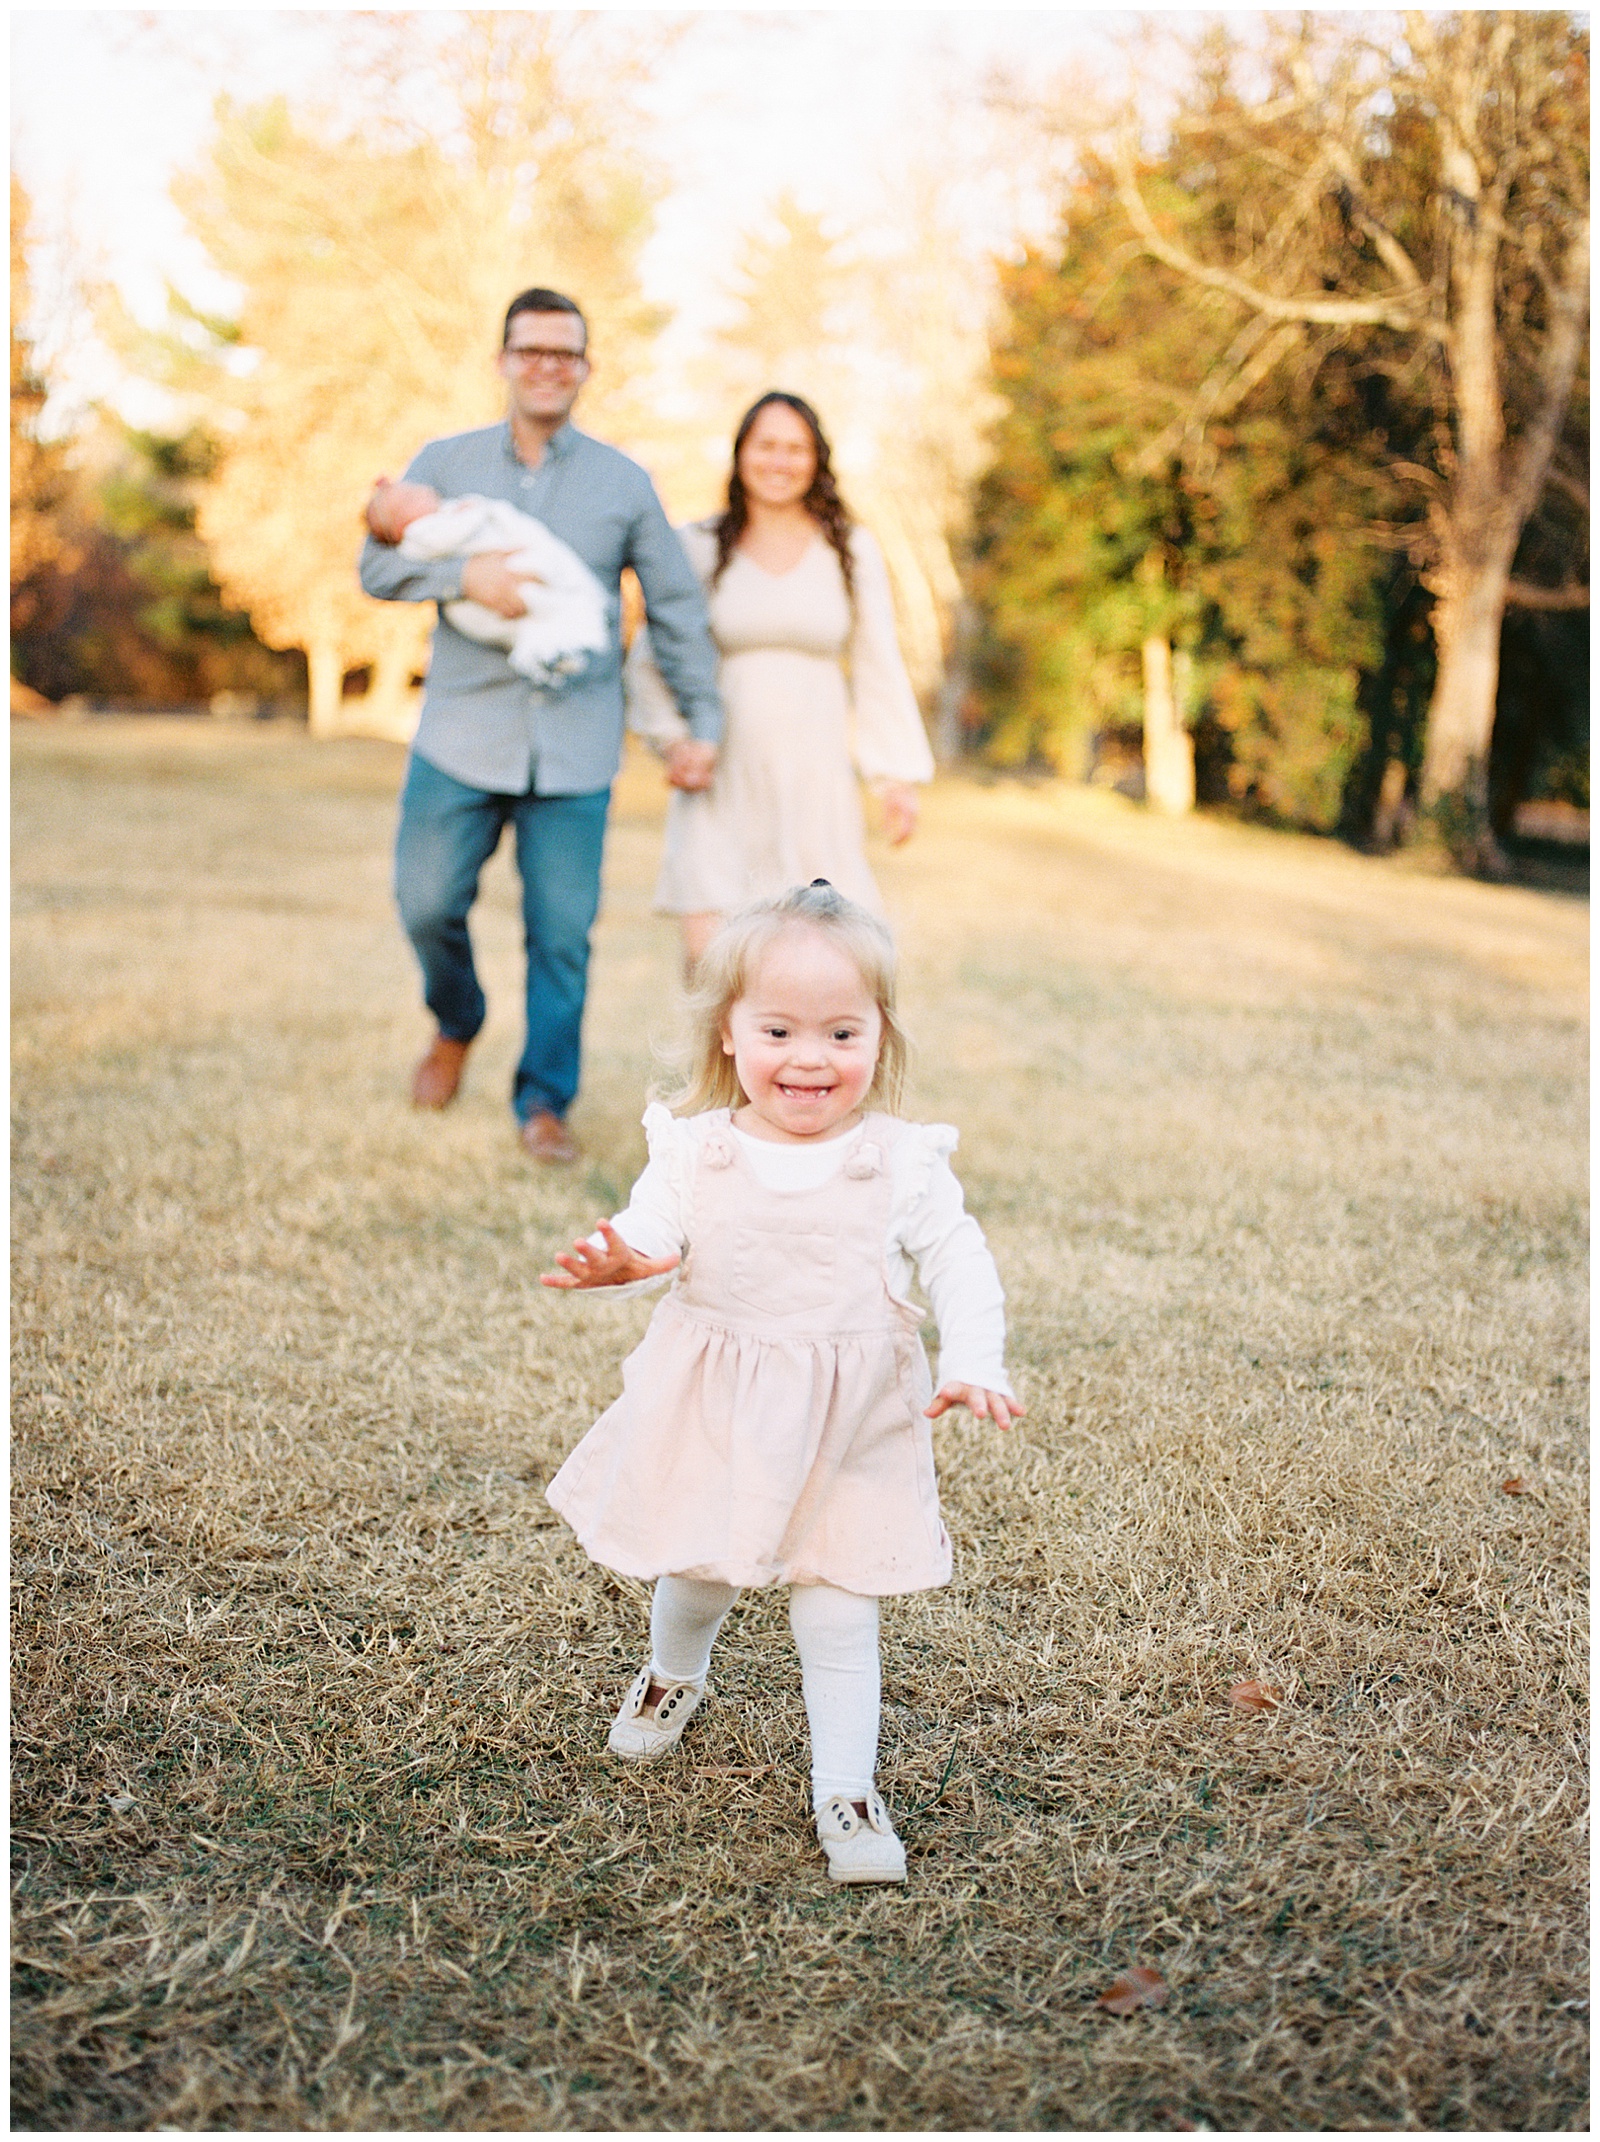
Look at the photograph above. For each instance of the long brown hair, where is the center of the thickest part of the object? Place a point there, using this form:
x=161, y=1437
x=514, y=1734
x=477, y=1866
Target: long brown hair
x=822, y=501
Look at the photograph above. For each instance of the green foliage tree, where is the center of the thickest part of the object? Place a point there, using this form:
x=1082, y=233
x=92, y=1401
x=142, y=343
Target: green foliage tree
x=1418, y=191
x=1128, y=555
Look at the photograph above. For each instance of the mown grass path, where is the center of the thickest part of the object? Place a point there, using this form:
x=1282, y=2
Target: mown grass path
x=1281, y=1154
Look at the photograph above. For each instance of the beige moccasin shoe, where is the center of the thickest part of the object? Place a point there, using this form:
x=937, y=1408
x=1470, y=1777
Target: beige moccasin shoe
x=642, y=1734
x=860, y=1850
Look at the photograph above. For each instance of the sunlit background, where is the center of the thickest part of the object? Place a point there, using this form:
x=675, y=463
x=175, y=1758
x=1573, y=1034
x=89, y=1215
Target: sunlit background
x=262, y=256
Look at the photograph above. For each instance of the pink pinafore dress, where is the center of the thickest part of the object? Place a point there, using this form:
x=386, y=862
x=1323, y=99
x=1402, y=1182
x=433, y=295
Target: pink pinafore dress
x=770, y=1428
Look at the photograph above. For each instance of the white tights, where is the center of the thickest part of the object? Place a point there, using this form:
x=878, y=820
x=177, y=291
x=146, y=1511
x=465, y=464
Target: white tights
x=836, y=1634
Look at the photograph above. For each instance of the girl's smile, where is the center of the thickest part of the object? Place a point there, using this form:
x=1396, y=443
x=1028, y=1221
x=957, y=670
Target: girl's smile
x=804, y=1039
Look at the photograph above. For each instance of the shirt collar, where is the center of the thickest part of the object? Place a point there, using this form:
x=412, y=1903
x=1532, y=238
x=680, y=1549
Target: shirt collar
x=557, y=447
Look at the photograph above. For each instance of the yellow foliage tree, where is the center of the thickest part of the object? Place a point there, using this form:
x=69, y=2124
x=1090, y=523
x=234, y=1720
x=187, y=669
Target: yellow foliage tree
x=375, y=261
x=39, y=475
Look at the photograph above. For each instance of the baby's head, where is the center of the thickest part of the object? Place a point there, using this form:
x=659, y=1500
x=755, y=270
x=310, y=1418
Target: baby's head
x=396, y=505
x=763, y=939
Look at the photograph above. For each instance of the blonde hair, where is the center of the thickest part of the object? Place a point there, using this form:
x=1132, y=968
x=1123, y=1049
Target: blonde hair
x=724, y=971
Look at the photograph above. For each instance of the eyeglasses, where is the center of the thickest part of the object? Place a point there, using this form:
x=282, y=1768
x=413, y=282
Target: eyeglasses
x=529, y=354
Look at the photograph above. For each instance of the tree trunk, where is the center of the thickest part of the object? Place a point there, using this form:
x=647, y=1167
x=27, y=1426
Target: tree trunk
x=957, y=682
x=325, y=678
x=1494, y=492
x=1480, y=540
x=1390, y=813
x=389, y=693
x=1168, y=746
x=1455, y=768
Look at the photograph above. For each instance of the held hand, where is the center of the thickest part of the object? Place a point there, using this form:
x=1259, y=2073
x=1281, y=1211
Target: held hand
x=899, y=803
x=691, y=764
x=614, y=1266
x=485, y=579
x=988, y=1405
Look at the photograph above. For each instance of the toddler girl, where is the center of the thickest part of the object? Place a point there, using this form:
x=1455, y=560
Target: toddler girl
x=773, y=1423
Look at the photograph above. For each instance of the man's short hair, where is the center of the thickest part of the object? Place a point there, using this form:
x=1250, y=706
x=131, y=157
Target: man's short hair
x=539, y=300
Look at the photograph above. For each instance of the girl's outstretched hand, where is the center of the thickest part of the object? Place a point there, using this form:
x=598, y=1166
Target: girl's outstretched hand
x=988, y=1405
x=614, y=1266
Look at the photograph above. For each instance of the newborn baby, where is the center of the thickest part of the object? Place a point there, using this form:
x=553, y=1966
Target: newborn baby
x=565, y=620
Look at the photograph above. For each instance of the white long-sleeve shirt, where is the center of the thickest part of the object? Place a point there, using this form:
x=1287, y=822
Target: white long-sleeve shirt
x=930, y=1234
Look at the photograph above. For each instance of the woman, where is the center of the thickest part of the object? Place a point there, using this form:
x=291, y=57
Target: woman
x=798, y=596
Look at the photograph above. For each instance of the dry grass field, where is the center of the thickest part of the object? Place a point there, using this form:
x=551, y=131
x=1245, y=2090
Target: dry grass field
x=1281, y=1154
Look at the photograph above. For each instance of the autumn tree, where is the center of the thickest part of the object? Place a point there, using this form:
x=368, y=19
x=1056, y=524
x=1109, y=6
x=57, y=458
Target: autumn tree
x=40, y=478
x=375, y=254
x=1425, y=198
x=111, y=589
x=792, y=291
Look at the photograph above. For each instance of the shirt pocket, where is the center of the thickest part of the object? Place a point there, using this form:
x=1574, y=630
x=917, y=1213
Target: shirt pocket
x=784, y=1271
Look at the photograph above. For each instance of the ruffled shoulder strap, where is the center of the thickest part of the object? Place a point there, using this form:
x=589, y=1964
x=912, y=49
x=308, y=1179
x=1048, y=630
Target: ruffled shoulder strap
x=663, y=1131
x=917, y=1148
x=678, y=1141
x=671, y=1140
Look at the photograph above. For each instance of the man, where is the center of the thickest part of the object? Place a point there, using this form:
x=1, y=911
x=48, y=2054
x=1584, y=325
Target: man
x=491, y=749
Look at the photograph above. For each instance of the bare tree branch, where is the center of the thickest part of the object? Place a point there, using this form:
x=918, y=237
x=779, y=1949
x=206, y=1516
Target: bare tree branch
x=1494, y=101
x=1529, y=244
x=1523, y=595
x=1557, y=367
x=1222, y=392
x=1403, y=312
x=1414, y=472
x=1387, y=246
x=1571, y=486
x=1259, y=115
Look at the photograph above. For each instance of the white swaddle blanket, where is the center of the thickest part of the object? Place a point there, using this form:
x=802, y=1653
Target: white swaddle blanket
x=565, y=621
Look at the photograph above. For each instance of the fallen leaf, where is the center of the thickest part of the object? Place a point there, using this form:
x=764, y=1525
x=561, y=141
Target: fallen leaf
x=1137, y=1987
x=1254, y=1696
x=1516, y=1485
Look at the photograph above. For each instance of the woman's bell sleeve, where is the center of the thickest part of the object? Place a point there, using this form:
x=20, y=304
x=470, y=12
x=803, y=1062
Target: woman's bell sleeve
x=652, y=710
x=890, y=743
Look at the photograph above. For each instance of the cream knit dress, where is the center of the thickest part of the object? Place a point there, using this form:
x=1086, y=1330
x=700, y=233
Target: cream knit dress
x=771, y=1426
x=785, y=807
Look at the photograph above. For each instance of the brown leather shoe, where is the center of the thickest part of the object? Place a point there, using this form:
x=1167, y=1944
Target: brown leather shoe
x=546, y=1137
x=436, y=1079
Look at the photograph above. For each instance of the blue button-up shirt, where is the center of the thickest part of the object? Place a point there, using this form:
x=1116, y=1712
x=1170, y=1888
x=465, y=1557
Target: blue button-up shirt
x=480, y=721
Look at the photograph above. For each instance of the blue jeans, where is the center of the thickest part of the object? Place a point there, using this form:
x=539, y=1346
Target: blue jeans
x=448, y=831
